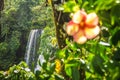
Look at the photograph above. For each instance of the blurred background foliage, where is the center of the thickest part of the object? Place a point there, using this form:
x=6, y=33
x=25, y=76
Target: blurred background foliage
x=17, y=19
x=98, y=59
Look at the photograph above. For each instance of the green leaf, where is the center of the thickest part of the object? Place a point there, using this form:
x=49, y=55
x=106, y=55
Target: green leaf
x=52, y=67
x=85, y=4
x=75, y=74
x=103, y=4
x=112, y=20
x=61, y=53
x=80, y=1
x=69, y=65
x=70, y=6
x=68, y=71
x=87, y=75
x=97, y=63
x=115, y=38
x=58, y=77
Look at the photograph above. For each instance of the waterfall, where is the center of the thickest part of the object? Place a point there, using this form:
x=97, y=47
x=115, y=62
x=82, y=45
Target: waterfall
x=30, y=55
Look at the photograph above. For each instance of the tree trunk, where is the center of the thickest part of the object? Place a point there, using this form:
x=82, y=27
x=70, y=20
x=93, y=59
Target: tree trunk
x=59, y=19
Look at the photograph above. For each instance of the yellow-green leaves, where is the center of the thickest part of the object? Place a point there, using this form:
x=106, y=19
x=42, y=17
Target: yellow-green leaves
x=71, y=6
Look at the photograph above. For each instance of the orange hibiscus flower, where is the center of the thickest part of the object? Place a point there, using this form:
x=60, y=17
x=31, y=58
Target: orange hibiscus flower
x=83, y=26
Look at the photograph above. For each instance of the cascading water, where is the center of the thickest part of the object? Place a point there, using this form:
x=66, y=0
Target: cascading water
x=30, y=55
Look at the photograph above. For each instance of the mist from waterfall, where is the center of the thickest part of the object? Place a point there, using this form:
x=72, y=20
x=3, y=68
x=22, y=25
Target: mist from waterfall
x=31, y=53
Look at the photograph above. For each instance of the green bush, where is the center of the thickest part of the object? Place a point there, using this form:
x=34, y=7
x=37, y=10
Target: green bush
x=17, y=72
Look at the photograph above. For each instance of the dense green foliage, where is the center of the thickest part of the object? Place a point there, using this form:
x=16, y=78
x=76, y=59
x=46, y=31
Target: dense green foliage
x=48, y=47
x=17, y=19
x=100, y=57
x=97, y=59
x=18, y=72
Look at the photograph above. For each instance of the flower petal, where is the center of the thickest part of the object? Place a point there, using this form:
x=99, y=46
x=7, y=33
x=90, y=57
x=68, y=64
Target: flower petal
x=92, y=20
x=91, y=32
x=79, y=37
x=79, y=16
x=72, y=28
